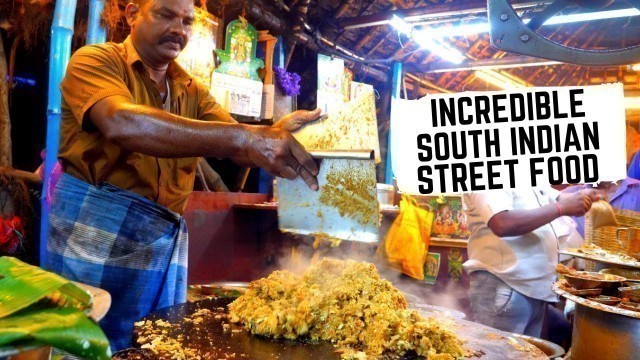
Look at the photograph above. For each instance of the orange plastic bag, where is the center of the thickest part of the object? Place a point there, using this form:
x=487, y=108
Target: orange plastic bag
x=405, y=246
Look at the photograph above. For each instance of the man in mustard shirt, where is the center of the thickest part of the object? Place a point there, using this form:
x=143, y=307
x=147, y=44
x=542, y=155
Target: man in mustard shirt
x=133, y=124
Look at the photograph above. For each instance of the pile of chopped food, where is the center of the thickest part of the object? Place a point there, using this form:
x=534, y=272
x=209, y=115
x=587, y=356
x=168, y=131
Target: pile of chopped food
x=347, y=303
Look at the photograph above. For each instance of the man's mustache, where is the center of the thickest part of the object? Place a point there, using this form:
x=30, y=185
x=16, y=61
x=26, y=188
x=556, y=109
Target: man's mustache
x=173, y=39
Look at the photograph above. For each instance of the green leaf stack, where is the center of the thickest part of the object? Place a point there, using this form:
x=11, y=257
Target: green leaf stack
x=36, y=305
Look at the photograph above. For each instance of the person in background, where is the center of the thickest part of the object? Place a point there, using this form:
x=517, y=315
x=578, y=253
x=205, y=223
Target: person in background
x=513, y=253
x=634, y=167
x=133, y=124
x=624, y=195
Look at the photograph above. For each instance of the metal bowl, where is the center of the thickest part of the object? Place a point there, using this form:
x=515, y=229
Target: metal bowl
x=632, y=275
x=607, y=300
x=630, y=292
x=585, y=292
x=225, y=289
x=630, y=306
x=607, y=282
x=550, y=349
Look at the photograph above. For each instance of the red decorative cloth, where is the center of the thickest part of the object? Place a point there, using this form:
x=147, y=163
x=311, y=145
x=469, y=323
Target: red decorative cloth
x=11, y=233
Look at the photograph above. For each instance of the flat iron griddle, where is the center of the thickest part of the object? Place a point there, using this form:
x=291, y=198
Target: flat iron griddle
x=208, y=337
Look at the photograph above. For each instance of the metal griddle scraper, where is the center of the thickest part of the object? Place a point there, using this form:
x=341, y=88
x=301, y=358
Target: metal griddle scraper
x=345, y=206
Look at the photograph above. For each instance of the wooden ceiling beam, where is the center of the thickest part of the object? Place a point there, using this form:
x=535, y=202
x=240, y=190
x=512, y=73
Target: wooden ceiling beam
x=470, y=75
x=339, y=12
x=426, y=83
x=382, y=40
x=342, y=8
x=369, y=35
x=385, y=37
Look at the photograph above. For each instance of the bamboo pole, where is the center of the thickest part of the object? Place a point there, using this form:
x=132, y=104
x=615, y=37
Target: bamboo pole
x=59, y=53
x=5, y=120
x=96, y=33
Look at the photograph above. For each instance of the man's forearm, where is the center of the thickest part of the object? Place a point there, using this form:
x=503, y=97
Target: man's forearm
x=520, y=222
x=154, y=132
x=158, y=133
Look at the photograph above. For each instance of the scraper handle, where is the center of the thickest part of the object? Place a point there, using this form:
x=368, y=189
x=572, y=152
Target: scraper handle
x=343, y=154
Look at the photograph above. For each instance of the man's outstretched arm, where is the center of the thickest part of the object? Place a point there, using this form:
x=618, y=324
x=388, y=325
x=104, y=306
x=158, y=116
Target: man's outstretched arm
x=154, y=132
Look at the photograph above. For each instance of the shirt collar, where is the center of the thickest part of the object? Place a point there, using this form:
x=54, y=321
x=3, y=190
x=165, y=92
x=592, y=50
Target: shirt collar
x=177, y=75
x=627, y=182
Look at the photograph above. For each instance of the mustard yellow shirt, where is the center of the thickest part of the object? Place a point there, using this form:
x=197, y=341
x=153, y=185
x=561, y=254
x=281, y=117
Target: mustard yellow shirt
x=99, y=71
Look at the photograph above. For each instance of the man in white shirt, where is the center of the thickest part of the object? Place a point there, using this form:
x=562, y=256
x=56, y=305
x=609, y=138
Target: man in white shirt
x=513, y=253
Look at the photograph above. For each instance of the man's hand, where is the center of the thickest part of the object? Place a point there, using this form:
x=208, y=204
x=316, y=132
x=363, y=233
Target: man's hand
x=294, y=120
x=575, y=204
x=280, y=154
x=595, y=194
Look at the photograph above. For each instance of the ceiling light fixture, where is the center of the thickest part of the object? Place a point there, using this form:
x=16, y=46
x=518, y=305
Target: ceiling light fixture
x=426, y=41
x=402, y=26
x=493, y=67
x=438, y=47
x=501, y=80
x=484, y=27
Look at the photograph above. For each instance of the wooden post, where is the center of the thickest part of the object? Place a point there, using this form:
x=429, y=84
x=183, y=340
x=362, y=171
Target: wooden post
x=270, y=43
x=5, y=120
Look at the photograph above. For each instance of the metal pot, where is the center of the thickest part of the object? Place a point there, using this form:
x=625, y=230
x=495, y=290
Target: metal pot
x=385, y=194
x=604, y=335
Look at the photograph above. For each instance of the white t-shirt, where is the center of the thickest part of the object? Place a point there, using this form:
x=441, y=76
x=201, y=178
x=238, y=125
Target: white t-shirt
x=526, y=262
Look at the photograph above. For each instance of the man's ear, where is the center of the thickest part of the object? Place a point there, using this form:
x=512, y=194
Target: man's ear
x=131, y=13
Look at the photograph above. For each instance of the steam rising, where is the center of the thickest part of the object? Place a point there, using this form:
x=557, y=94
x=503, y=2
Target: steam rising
x=304, y=254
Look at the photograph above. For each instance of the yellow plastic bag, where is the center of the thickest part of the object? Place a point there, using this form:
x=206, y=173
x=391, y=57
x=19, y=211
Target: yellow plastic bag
x=405, y=246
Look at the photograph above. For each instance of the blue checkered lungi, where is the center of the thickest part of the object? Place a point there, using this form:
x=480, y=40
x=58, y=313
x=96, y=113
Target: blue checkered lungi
x=121, y=242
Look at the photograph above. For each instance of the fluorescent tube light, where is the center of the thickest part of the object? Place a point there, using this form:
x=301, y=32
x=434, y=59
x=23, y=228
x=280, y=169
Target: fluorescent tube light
x=422, y=38
x=598, y=15
x=401, y=25
x=499, y=79
x=483, y=27
x=438, y=47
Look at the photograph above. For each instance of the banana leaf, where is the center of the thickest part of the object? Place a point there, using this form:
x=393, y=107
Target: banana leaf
x=67, y=329
x=22, y=285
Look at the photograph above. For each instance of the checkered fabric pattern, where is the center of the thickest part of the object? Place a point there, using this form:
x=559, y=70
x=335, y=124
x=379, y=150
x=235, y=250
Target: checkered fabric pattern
x=121, y=242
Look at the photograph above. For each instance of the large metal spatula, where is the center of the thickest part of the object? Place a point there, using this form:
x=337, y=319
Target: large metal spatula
x=345, y=207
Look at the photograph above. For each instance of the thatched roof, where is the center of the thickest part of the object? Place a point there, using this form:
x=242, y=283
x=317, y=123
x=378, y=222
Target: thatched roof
x=382, y=42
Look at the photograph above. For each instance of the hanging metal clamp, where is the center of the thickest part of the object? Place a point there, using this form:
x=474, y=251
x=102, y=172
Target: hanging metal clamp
x=510, y=34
